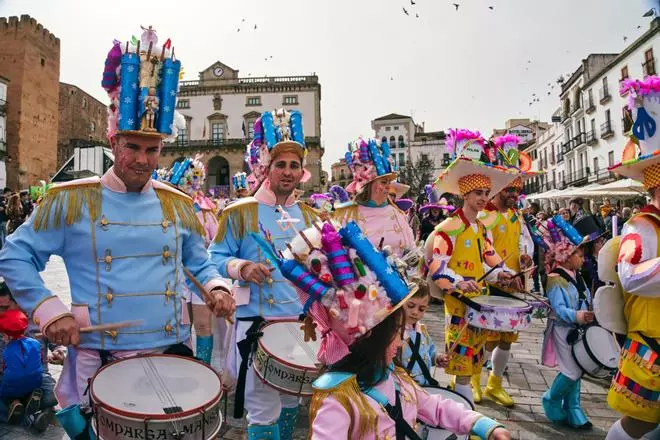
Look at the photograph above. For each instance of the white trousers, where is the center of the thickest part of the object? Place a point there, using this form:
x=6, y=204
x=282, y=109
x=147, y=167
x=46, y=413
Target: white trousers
x=262, y=402
x=567, y=364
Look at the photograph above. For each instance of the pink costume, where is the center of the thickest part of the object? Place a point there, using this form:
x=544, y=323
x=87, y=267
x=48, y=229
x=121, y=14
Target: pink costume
x=331, y=421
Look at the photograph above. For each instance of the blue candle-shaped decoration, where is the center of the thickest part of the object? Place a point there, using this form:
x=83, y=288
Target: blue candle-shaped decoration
x=385, y=148
x=128, y=95
x=569, y=231
x=169, y=81
x=376, y=157
x=349, y=158
x=364, y=151
x=297, y=127
x=180, y=171
x=390, y=279
x=268, y=129
x=304, y=280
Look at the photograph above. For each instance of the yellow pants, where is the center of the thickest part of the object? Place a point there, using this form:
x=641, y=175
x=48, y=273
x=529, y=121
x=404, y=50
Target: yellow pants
x=506, y=337
x=466, y=359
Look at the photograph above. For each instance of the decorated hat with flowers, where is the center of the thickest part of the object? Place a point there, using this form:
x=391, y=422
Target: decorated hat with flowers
x=347, y=286
x=641, y=156
x=368, y=160
x=189, y=176
x=239, y=182
x=507, y=154
x=141, y=77
x=471, y=168
x=275, y=132
x=561, y=239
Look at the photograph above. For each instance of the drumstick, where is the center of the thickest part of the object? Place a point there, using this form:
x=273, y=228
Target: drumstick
x=458, y=338
x=497, y=266
x=103, y=327
x=524, y=271
x=207, y=296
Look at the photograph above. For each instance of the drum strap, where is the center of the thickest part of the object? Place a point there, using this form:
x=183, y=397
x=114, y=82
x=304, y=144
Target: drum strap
x=651, y=343
x=403, y=429
x=246, y=349
x=578, y=282
x=417, y=358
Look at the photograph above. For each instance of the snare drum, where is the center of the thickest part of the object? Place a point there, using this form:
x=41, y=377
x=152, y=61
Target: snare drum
x=596, y=352
x=439, y=433
x=285, y=361
x=156, y=396
x=498, y=313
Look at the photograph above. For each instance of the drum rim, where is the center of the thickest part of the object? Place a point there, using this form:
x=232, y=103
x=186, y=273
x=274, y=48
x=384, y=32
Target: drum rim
x=604, y=368
x=121, y=412
x=526, y=309
x=472, y=405
x=280, y=389
x=282, y=361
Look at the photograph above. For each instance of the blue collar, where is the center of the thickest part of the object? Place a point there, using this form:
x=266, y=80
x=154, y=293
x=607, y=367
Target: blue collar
x=372, y=204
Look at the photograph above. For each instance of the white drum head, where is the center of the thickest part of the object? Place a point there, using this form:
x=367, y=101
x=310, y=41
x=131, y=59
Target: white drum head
x=439, y=433
x=500, y=301
x=603, y=345
x=146, y=385
x=608, y=307
x=285, y=341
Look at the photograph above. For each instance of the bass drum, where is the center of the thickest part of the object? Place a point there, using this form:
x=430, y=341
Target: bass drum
x=596, y=352
x=430, y=433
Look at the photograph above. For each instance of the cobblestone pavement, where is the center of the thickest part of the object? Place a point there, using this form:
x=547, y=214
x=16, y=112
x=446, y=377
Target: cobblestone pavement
x=526, y=382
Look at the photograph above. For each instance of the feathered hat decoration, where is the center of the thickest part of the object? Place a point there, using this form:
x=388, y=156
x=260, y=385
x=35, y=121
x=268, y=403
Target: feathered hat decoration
x=368, y=160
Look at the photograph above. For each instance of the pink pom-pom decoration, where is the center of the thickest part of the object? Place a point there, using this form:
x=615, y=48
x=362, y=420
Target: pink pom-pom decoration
x=507, y=139
x=456, y=136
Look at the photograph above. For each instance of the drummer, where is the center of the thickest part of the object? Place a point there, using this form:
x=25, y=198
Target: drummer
x=109, y=230
x=635, y=388
x=462, y=252
x=510, y=237
x=277, y=158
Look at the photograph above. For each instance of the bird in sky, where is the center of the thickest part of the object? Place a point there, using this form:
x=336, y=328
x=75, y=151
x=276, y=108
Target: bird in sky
x=238, y=30
x=412, y=2
x=243, y=21
x=625, y=38
x=639, y=27
x=456, y=5
x=391, y=78
x=255, y=26
x=404, y=11
x=492, y=8
x=416, y=15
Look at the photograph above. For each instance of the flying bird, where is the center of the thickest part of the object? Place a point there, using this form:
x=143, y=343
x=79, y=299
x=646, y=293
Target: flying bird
x=238, y=30
x=456, y=5
x=639, y=27
x=391, y=78
x=404, y=11
x=255, y=26
x=492, y=8
x=412, y=2
x=416, y=15
x=625, y=38
x=243, y=21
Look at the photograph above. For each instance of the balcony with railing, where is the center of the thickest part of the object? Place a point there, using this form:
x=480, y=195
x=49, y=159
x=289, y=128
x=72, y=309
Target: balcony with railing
x=649, y=67
x=560, y=158
x=592, y=138
x=591, y=107
x=606, y=130
x=579, y=139
x=565, y=114
x=578, y=177
x=604, y=95
x=209, y=144
x=576, y=107
x=605, y=176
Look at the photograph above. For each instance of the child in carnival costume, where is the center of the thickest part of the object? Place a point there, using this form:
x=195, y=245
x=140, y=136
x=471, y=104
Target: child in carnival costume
x=570, y=300
x=373, y=172
x=240, y=184
x=189, y=176
x=353, y=295
x=510, y=237
x=460, y=252
x=276, y=158
x=635, y=389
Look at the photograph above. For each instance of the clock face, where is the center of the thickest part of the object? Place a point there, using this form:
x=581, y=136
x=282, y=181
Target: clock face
x=218, y=71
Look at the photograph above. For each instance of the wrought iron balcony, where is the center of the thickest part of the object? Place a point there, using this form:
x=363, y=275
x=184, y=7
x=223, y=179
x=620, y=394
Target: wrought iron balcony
x=591, y=107
x=606, y=130
x=592, y=138
x=604, y=94
x=580, y=139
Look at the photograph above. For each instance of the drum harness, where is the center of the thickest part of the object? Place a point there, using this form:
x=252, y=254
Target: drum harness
x=417, y=358
x=246, y=348
x=578, y=282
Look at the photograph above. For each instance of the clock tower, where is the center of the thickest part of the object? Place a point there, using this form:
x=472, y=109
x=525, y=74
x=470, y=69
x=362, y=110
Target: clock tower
x=218, y=71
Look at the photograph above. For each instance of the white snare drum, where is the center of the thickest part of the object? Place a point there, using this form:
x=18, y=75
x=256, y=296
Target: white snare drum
x=596, y=352
x=284, y=360
x=499, y=313
x=156, y=396
x=439, y=433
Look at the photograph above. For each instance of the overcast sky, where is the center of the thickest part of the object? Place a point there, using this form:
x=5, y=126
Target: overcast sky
x=471, y=68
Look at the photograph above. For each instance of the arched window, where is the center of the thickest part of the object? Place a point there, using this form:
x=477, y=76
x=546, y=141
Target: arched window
x=401, y=142
x=392, y=142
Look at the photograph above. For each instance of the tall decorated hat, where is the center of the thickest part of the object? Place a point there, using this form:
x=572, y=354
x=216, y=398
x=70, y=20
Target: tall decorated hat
x=471, y=167
x=339, y=194
x=141, y=78
x=641, y=156
x=368, y=160
x=432, y=201
x=346, y=285
x=189, y=176
x=275, y=132
x=507, y=154
x=239, y=181
x=560, y=239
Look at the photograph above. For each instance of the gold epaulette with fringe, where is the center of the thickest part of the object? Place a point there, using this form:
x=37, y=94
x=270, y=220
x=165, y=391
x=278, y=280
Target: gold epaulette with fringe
x=243, y=215
x=177, y=205
x=348, y=393
x=554, y=278
x=346, y=212
x=68, y=198
x=309, y=213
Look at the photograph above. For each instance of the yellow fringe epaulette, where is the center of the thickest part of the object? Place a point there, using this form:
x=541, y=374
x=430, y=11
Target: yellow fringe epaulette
x=177, y=206
x=451, y=226
x=69, y=198
x=348, y=393
x=309, y=213
x=489, y=218
x=242, y=215
x=345, y=213
x=553, y=279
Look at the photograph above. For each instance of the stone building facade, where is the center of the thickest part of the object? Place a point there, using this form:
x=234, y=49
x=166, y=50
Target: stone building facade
x=30, y=60
x=220, y=109
x=83, y=121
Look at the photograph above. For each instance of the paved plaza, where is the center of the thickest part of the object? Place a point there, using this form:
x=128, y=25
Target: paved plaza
x=526, y=382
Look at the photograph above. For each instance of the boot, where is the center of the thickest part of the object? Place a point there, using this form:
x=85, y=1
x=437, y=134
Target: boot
x=205, y=349
x=576, y=416
x=263, y=432
x=554, y=397
x=496, y=393
x=16, y=411
x=287, y=422
x=476, y=388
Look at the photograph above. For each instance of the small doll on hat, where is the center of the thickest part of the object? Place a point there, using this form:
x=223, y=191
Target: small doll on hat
x=22, y=367
x=353, y=295
x=570, y=301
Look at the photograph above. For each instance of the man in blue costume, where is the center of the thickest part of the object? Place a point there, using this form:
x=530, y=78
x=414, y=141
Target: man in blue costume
x=125, y=240
x=276, y=157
